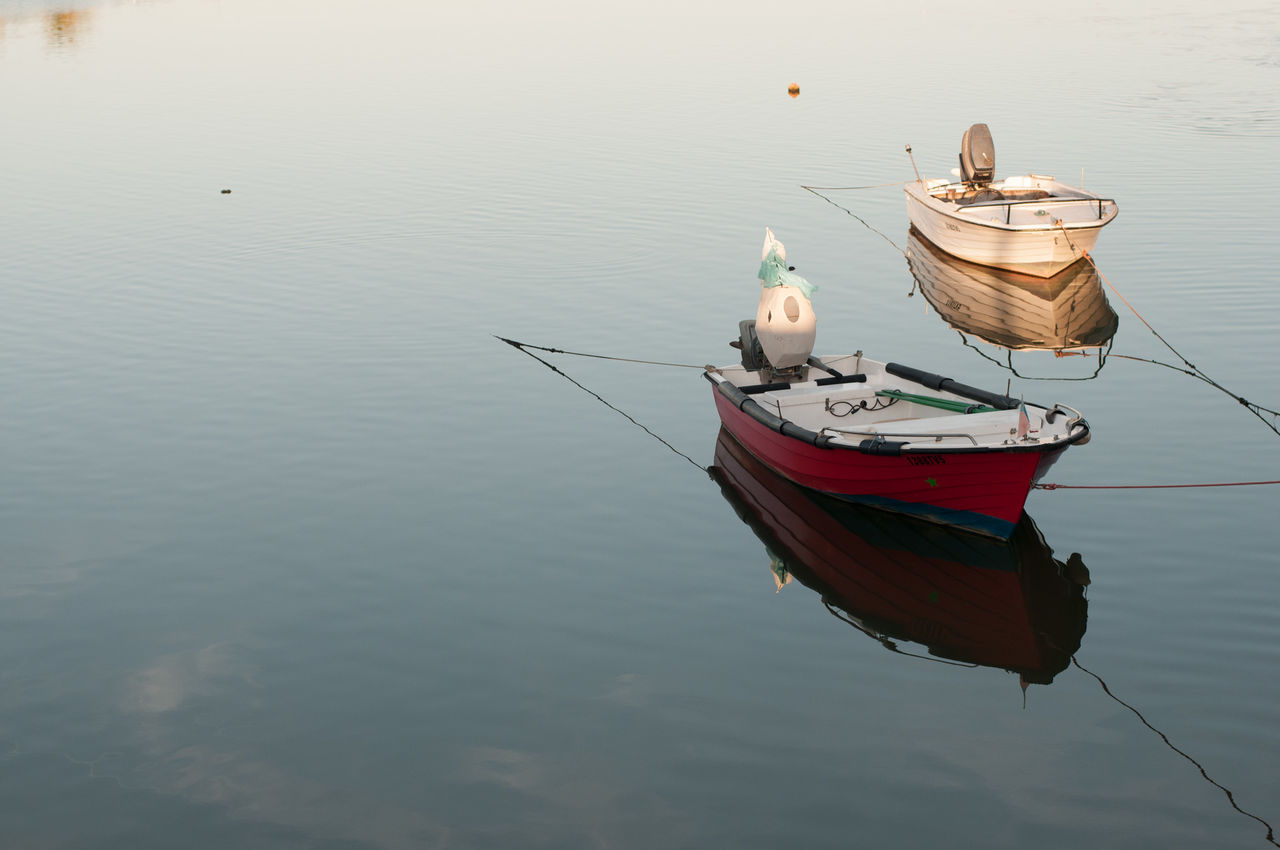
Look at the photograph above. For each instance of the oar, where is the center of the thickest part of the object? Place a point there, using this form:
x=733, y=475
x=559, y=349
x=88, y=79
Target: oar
x=941, y=403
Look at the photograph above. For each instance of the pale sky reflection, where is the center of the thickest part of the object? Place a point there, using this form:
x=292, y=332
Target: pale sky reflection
x=235, y=778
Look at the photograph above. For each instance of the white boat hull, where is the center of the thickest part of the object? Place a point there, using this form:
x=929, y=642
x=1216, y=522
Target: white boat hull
x=1037, y=238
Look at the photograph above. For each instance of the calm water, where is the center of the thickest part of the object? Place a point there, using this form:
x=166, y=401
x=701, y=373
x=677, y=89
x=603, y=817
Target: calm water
x=296, y=554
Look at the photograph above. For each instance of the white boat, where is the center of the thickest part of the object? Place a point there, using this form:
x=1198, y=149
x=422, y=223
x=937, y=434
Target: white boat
x=1029, y=223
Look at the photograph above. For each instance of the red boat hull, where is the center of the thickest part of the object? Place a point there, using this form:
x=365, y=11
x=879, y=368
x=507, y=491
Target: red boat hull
x=981, y=491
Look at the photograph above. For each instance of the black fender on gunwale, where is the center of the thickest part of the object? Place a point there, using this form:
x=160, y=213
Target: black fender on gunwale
x=938, y=382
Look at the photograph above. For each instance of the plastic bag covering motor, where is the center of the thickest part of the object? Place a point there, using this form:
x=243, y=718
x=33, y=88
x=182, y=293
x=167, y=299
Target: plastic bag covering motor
x=785, y=322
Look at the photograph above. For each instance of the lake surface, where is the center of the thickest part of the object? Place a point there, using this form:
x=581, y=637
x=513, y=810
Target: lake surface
x=295, y=553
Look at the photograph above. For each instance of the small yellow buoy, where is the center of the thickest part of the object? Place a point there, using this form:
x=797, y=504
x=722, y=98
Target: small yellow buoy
x=794, y=89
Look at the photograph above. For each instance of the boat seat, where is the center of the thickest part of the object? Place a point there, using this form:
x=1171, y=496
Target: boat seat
x=982, y=196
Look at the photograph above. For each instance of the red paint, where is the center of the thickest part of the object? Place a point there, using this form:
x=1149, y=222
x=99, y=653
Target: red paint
x=992, y=484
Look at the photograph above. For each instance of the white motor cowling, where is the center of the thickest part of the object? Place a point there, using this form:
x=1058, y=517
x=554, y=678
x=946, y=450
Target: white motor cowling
x=785, y=322
x=786, y=326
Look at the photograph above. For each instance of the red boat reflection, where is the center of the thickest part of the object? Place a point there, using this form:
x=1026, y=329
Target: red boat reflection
x=965, y=597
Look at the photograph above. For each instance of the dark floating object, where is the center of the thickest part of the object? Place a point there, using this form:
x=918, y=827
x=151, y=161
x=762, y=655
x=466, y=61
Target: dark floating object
x=226, y=191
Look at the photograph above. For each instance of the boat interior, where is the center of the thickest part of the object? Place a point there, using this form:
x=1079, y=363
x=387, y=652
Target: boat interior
x=1029, y=200
x=868, y=402
x=1022, y=187
x=977, y=184
x=961, y=196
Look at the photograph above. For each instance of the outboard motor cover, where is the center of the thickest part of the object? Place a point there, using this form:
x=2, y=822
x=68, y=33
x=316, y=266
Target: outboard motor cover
x=785, y=326
x=977, y=156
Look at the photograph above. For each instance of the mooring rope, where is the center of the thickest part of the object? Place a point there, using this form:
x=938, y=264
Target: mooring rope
x=524, y=348
x=1230, y=797
x=1254, y=408
x=524, y=345
x=884, y=641
x=1148, y=486
x=1102, y=360
x=854, y=188
x=814, y=190
x=1258, y=410
x=1194, y=370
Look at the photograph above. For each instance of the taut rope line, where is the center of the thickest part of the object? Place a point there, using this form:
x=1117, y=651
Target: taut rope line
x=1195, y=371
x=1008, y=364
x=522, y=347
x=814, y=190
x=1147, y=486
x=1231, y=798
x=854, y=188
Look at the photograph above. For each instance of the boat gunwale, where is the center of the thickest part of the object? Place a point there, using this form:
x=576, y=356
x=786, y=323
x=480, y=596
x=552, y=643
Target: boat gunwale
x=939, y=207
x=873, y=446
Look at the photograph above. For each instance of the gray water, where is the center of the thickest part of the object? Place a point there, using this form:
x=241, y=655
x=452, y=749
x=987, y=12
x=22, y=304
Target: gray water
x=295, y=553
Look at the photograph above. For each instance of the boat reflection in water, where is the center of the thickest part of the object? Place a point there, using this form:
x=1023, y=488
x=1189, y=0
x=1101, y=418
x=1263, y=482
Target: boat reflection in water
x=1065, y=313
x=966, y=598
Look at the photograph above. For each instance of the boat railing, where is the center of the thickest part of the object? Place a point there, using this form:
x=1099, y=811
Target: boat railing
x=1042, y=202
x=878, y=434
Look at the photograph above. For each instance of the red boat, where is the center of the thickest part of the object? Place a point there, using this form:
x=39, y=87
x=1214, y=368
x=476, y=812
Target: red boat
x=969, y=599
x=878, y=433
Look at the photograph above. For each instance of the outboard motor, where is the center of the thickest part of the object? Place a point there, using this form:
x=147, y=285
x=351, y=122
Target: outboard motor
x=779, y=340
x=753, y=359
x=977, y=156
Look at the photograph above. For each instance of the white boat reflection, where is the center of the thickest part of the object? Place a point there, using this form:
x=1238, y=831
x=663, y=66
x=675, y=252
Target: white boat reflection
x=1066, y=313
